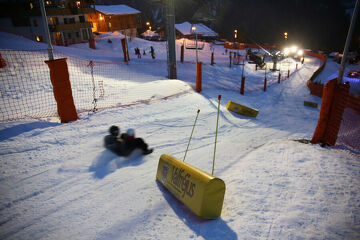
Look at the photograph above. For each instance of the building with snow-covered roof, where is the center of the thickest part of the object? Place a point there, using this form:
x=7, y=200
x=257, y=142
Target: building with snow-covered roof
x=110, y=18
x=67, y=20
x=184, y=30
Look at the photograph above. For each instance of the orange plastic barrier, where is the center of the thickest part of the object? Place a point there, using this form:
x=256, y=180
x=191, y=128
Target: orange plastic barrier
x=198, y=76
x=322, y=123
x=59, y=76
x=92, y=43
x=125, y=50
x=2, y=62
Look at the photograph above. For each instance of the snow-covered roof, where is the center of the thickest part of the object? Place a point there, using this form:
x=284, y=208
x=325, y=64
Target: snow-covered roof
x=116, y=9
x=149, y=33
x=201, y=29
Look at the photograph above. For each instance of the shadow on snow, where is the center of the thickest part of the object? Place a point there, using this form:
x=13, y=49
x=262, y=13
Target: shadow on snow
x=209, y=229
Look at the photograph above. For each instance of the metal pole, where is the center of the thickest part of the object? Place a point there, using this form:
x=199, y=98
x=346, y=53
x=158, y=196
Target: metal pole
x=46, y=29
x=171, y=39
x=217, y=125
x=192, y=131
x=347, y=43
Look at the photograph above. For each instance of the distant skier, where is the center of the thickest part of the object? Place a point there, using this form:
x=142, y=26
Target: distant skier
x=124, y=146
x=152, y=51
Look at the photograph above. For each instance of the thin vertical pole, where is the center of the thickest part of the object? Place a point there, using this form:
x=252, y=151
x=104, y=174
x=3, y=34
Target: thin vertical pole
x=197, y=58
x=348, y=40
x=46, y=30
x=217, y=124
x=198, y=111
x=170, y=28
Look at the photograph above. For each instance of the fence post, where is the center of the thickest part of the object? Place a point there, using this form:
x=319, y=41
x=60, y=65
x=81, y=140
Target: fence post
x=336, y=113
x=2, y=62
x=125, y=50
x=279, y=77
x=212, y=58
x=92, y=43
x=59, y=76
x=230, y=59
x=198, y=76
x=242, y=88
x=296, y=66
x=327, y=100
x=182, y=53
x=265, y=81
x=288, y=73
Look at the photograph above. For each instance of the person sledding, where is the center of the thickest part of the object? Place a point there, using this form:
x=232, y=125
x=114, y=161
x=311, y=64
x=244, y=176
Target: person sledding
x=124, y=145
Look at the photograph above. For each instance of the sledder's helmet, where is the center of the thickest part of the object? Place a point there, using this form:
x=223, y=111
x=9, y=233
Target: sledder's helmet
x=130, y=132
x=114, y=130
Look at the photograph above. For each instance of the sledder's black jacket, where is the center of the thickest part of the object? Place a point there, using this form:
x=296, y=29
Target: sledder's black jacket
x=117, y=145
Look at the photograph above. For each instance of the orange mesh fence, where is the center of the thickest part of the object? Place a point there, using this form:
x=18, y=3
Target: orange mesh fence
x=101, y=85
x=349, y=133
x=25, y=87
x=26, y=90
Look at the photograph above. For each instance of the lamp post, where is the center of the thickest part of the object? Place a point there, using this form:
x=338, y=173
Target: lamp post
x=235, y=34
x=193, y=29
x=148, y=25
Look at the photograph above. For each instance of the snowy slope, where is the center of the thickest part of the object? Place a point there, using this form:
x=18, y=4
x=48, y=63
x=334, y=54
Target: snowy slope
x=58, y=182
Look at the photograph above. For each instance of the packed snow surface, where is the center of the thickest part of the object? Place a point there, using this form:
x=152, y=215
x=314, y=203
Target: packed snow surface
x=58, y=182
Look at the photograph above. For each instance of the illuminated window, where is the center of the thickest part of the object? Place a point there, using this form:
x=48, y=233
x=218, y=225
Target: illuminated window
x=31, y=5
x=78, y=4
x=101, y=17
x=48, y=2
x=38, y=38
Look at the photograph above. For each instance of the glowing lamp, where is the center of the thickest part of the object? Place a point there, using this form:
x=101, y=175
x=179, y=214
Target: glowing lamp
x=286, y=51
x=294, y=49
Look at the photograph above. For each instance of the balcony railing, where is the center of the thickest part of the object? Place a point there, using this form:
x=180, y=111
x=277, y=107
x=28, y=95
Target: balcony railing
x=68, y=11
x=66, y=27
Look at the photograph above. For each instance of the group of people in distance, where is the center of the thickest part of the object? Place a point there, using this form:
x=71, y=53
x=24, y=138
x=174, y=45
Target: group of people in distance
x=124, y=144
x=138, y=53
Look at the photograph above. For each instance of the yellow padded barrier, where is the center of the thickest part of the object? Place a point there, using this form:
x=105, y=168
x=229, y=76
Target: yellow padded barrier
x=201, y=192
x=241, y=109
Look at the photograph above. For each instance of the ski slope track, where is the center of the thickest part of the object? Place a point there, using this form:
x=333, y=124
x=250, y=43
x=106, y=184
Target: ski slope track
x=58, y=182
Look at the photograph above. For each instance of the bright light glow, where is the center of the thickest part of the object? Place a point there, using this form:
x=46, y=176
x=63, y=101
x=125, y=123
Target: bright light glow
x=294, y=49
x=37, y=38
x=286, y=51
x=78, y=4
x=101, y=17
x=300, y=52
x=147, y=23
x=193, y=28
